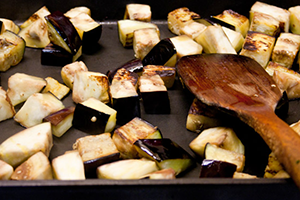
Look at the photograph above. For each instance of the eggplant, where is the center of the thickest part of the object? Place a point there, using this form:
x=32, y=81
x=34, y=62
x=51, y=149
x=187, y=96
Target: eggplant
x=135, y=65
x=20, y=146
x=36, y=107
x=62, y=32
x=126, y=169
x=94, y=117
x=163, y=53
x=125, y=136
x=12, y=49
x=185, y=45
x=7, y=110
x=162, y=174
x=166, y=153
x=68, y=166
x=56, y=88
x=6, y=170
x=21, y=86
x=77, y=10
x=57, y=56
x=154, y=95
x=167, y=74
x=216, y=168
x=61, y=121
x=96, y=150
x=36, y=167
x=10, y=25
x=68, y=72
x=139, y=12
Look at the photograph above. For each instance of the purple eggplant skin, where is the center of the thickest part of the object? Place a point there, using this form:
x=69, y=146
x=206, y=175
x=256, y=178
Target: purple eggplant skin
x=90, y=166
x=55, y=56
x=83, y=119
x=127, y=109
x=57, y=117
x=156, y=102
x=160, y=53
x=66, y=30
x=216, y=169
x=90, y=40
x=134, y=65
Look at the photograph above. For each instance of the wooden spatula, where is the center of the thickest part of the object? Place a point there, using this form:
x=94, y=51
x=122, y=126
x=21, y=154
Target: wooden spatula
x=240, y=86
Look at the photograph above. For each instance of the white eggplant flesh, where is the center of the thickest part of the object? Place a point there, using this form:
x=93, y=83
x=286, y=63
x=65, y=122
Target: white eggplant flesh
x=139, y=12
x=185, y=45
x=7, y=110
x=56, y=88
x=68, y=72
x=6, y=170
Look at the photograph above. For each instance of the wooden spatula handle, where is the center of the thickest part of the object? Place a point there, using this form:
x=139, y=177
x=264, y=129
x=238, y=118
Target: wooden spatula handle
x=282, y=140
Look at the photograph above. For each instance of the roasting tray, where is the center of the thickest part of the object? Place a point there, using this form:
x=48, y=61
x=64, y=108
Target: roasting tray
x=109, y=55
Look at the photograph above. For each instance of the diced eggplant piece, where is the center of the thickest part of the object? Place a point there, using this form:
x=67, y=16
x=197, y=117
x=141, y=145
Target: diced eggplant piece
x=124, y=74
x=12, y=48
x=167, y=74
x=61, y=121
x=96, y=150
x=56, y=88
x=286, y=79
x=295, y=19
x=36, y=167
x=6, y=170
x=163, y=53
x=134, y=65
x=179, y=18
x=139, y=12
x=274, y=167
x=278, y=13
x=240, y=22
x=7, y=110
x=68, y=72
x=92, y=30
x=34, y=30
x=57, y=56
x=213, y=152
x=162, y=174
x=185, y=45
x=192, y=29
x=242, y=175
x=68, y=166
x=286, y=49
x=126, y=169
x=125, y=101
x=166, y=153
x=20, y=146
x=258, y=46
x=214, y=40
x=89, y=84
x=264, y=23
x=36, y=107
x=21, y=86
x=216, y=168
x=10, y=25
x=62, y=32
x=94, y=117
x=154, y=94
x=236, y=38
x=73, y=12
x=126, y=28
x=125, y=136
x=144, y=40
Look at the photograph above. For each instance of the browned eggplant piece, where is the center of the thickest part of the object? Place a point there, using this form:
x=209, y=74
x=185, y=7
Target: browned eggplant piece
x=134, y=65
x=63, y=33
x=216, y=168
x=166, y=73
x=56, y=56
x=163, y=53
x=166, y=153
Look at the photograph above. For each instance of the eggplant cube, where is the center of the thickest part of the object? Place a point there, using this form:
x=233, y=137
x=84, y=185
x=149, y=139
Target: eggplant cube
x=186, y=46
x=166, y=153
x=7, y=110
x=216, y=168
x=89, y=84
x=61, y=121
x=6, y=170
x=10, y=25
x=166, y=73
x=21, y=86
x=36, y=107
x=154, y=94
x=56, y=88
x=264, y=23
x=125, y=136
x=20, y=146
x=73, y=12
x=94, y=117
x=68, y=166
x=139, y=12
x=96, y=150
x=295, y=19
x=126, y=75
x=36, y=167
x=68, y=72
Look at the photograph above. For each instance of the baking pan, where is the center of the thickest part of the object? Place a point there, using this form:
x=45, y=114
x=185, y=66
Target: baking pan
x=109, y=55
